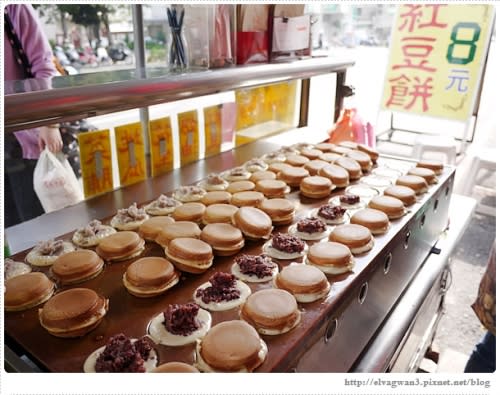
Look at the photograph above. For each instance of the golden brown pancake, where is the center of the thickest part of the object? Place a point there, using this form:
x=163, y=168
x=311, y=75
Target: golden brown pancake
x=375, y=220
x=370, y=151
x=337, y=175
x=329, y=157
x=316, y=187
x=77, y=266
x=271, y=311
x=240, y=186
x=176, y=230
x=190, y=255
x=262, y=175
x=362, y=158
x=272, y=188
x=150, y=276
x=314, y=166
x=434, y=165
x=225, y=239
x=253, y=222
x=27, y=290
x=293, y=175
x=281, y=211
x=121, y=245
x=358, y=238
x=330, y=257
x=311, y=153
x=152, y=226
x=352, y=167
x=296, y=160
x=325, y=147
x=278, y=167
x=417, y=183
x=393, y=207
x=219, y=213
x=306, y=283
x=247, y=198
x=232, y=346
x=216, y=197
x=428, y=174
x=192, y=211
x=405, y=194
x=73, y=313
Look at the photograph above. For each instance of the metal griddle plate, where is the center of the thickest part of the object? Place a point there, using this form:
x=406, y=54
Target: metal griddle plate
x=130, y=315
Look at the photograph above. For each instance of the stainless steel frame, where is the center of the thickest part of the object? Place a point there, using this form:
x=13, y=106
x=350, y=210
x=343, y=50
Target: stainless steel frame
x=84, y=96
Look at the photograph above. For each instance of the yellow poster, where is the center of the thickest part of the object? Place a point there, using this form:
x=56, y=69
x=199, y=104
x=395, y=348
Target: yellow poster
x=161, y=146
x=436, y=60
x=130, y=150
x=213, y=130
x=95, y=161
x=188, y=136
x=249, y=107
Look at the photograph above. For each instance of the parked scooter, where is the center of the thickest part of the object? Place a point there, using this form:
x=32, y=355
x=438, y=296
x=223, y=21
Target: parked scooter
x=64, y=61
x=119, y=52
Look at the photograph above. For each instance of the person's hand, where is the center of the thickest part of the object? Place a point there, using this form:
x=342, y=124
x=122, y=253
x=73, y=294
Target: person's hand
x=50, y=137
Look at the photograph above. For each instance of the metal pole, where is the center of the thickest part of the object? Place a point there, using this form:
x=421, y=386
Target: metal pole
x=140, y=70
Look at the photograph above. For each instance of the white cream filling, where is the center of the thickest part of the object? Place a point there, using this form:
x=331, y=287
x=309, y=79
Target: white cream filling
x=268, y=249
x=235, y=269
x=245, y=292
x=37, y=259
x=229, y=177
x=330, y=269
x=204, y=367
x=84, y=241
x=187, y=198
x=213, y=187
x=336, y=202
x=89, y=364
x=307, y=236
x=161, y=335
x=133, y=225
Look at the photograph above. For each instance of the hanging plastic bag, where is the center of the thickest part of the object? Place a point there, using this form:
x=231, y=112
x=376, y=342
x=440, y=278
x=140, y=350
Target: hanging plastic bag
x=342, y=130
x=358, y=127
x=55, y=182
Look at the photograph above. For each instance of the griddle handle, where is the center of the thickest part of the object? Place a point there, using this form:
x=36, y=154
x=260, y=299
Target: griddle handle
x=435, y=250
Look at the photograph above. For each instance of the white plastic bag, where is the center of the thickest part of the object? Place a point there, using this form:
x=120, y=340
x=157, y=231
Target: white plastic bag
x=55, y=183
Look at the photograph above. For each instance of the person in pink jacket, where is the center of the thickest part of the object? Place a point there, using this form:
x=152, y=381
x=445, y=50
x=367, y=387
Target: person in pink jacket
x=22, y=148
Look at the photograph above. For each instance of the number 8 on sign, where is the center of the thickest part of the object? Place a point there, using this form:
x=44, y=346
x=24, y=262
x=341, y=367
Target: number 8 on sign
x=470, y=43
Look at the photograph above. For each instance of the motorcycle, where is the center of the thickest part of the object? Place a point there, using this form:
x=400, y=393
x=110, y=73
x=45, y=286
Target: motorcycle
x=119, y=52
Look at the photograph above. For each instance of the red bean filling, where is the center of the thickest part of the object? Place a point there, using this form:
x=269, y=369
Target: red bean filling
x=311, y=225
x=180, y=319
x=329, y=211
x=121, y=355
x=255, y=265
x=349, y=199
x=222, y=289
x=287, y=243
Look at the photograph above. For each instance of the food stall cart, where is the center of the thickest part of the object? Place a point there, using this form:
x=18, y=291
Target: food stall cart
x=344, y=332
